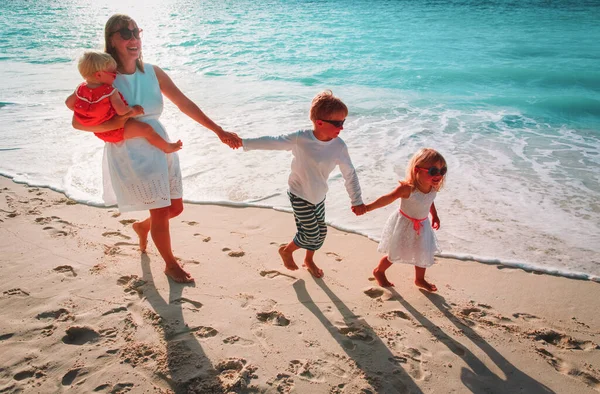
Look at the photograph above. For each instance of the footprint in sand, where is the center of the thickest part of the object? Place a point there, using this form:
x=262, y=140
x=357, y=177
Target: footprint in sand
x=395, y=314
x=190, y=223
x=589, y=377
x=126, y=222
x=197, y=305
x=411, y=360
x=65, y=269
x=80, y=335
x=378, y=293
x=4, y=337
x=234, y=339
x=334, y=255
x=525, y=316
x=561, y=340
x=15, y=292
x=115, y=310
x=274, y=273
x=31, y=372
x=70, y=376
x=131, y=284
x=283, y=383
x=235, y=373
x=274, y=317
x=356, y=333
x=233, y=253
x=61, y=314
x=204, y=237
x=115, y=234
x=119, y=388
x=54, y=232
x=204, y=332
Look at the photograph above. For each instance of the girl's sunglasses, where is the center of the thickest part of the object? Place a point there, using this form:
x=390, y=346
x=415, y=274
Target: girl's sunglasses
x=126, y=34
x=336, y=123
x=434, y=171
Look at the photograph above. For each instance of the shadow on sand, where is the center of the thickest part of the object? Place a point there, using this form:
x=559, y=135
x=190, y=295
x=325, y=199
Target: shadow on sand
x=379, y=365
x=479, y=378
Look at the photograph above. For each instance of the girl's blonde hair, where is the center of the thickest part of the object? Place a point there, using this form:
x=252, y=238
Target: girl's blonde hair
x=425, y=157
x=113, y=24
x=326, y=104
x=91, y=62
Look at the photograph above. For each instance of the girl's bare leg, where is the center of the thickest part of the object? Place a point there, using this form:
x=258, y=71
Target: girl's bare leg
x=286, y=253
x=420, y=280
x=310, y=265
x=135, y=128
x=379, y=272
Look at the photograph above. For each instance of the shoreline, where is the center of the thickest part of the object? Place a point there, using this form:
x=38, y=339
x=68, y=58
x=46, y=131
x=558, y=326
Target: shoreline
x=508, y=264
x=90, y=313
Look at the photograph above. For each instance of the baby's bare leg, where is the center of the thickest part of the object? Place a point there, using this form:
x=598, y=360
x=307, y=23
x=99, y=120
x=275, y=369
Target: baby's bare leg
x=379, y=272
x=135, y=128
x=310, y=265
x=420, y=280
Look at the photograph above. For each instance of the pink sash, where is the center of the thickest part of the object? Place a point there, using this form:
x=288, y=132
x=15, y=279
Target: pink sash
x=417, y=223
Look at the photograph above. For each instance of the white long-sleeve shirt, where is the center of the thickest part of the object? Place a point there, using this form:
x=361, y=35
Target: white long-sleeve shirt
x=313, y=161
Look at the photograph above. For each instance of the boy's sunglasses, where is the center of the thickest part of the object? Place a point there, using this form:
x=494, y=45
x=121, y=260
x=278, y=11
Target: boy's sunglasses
x=337, y=123
x=434, y=171
x=126, y=34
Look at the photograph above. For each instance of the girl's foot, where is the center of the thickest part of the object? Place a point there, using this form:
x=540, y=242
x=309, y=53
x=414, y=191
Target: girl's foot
x=142, y=235
x=382, y=279
x=288, y=259
x=178, y=274
x=423, y=284
x=313, y=269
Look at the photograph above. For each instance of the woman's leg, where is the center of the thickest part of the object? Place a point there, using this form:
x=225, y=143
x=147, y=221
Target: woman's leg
x=143, y=228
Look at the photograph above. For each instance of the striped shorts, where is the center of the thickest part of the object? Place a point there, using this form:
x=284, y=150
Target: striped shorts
x=310, y=222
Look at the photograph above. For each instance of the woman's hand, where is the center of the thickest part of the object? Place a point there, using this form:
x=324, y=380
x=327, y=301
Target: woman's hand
x=229, y=138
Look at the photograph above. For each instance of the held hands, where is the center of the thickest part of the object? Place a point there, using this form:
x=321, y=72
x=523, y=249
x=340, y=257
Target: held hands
x=359, y=209
x=435, y=222
x=231, y=139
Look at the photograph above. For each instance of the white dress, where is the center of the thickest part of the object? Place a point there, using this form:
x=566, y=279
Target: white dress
x=136, y=175
x=410, y=241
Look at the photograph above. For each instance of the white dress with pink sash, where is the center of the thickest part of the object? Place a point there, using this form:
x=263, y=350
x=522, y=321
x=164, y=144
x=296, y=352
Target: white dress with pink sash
x=407, y=236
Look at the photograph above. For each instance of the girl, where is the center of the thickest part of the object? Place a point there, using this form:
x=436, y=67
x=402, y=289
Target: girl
x=407, y=236
x=95, y=101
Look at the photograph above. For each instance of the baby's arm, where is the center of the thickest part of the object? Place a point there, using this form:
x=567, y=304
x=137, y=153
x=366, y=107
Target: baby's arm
x=435, y=220
x=119, y=105
x=70, y=101
x=402, y=191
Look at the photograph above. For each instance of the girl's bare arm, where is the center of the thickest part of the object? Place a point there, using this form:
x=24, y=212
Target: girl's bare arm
x=402, y=191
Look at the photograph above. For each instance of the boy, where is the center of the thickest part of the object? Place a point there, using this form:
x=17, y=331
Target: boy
x=316, y=153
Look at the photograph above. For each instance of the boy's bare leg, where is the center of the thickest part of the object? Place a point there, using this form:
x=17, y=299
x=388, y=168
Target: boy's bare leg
x=379, y=272
x=135, y=128
x=286, y=253
x=310, y=265
x=420, y=280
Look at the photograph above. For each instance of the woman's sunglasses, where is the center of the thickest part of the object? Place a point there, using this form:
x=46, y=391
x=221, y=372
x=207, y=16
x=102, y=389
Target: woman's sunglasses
x=126, y=34
x=337, y=123
x=434, y=171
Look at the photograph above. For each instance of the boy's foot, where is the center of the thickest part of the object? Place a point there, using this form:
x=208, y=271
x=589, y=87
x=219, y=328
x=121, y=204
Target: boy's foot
x=382, y=279
x=142, y=235
x=178, y=274
x=313, y=269
x=173, y=146
x=288, y=259
x=423, y=284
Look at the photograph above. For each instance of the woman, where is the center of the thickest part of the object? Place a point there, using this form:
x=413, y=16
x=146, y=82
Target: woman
x=136, y=175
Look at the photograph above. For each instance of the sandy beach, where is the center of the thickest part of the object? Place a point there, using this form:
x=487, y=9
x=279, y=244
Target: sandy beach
x=83, y=311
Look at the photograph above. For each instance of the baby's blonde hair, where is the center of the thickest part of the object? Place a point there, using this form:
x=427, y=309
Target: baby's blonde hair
x=326, y=104
x=93, y=61
x=423, y=158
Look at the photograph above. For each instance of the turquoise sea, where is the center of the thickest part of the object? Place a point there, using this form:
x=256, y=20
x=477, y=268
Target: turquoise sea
x=508, y=91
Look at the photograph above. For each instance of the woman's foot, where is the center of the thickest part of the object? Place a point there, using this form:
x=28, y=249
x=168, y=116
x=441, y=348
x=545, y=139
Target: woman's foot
x=288, y=259
x=381, y=278
x=142, y=234
x=423, y=284
x=313, y=269
x=178, y=274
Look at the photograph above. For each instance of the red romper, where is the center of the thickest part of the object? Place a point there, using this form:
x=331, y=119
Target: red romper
x=93, y=107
